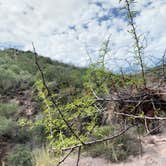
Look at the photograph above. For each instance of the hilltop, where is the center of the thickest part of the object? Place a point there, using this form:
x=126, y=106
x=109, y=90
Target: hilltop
x=17, y=68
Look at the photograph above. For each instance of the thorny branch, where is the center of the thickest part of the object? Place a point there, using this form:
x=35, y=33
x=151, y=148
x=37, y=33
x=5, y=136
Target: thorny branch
x=137, y=42
x=51, y=98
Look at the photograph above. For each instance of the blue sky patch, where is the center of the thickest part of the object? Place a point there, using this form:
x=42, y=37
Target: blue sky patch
x=99, y=4
x=103, y=18
x=116, y=12
x=85, y=26
x=72, y=27
x=80, y=22
x=6, y=45
x=112, y=13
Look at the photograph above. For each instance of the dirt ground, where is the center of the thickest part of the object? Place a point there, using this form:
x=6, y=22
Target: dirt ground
x=154, y=148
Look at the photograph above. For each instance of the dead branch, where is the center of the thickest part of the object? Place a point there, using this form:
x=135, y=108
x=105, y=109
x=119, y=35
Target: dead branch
x=140, y=117
x=151, y=131
x=98, y=141
x=121, y=100
x=163, y=64
x=78, y=157
x=65, y=157
x=140, y=142
x=130, y=100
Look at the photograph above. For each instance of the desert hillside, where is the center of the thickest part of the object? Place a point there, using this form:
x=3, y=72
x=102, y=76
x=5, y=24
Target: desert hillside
x=30, y=122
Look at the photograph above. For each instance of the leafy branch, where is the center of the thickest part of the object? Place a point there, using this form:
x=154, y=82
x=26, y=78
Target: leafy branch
x=49, y=94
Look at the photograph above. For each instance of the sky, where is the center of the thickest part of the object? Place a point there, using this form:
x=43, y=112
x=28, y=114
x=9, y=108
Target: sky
x=72, y=30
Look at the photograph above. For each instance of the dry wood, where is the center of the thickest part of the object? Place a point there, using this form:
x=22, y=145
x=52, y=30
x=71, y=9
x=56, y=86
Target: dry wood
x=99, y=140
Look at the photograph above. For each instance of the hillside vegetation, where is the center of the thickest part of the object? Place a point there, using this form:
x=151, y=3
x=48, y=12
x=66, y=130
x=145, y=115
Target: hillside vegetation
x=29, y=120
x=21, y=117
x=17, y=69
x=50, y=110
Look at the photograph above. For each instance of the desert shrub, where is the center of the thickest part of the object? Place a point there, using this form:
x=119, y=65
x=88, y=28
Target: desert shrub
x=20, y=156
x=25, y=76
x=27, y=65
x=7, y=127
x=26, y=79
x=31, y=131
x=102, y=131
x=15, y=69
x=23, y=135
x=39, y=134
x=8, y=79
x=114, y=150
x=8, y=109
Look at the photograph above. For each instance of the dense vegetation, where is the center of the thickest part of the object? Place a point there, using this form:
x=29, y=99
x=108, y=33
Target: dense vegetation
x=48, y=107
x=18, y=89
x=29, y=120
x=18, y=69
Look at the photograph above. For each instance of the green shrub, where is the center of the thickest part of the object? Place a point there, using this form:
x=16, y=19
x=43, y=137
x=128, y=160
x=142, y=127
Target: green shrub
x=7, y=126
x=15, y=69
x=8, y=109
x=100, y=132
x=39, y=134
x=114, y=150
x=8, y=79
x=23, y=135
x=20, y=156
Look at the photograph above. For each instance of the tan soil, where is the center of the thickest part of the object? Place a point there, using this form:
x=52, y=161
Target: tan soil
x=154, y=148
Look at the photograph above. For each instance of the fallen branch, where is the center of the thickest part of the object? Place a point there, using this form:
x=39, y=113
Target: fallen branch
x=98, y=141
x=65, y=157
x=151, y=131
x=140, y=117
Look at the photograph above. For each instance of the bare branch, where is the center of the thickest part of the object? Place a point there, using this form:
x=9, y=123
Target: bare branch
x=60, y=162
x=151, y=131
x=78, y=158
x=140, y=117
x=163, y=64
x=98, y=141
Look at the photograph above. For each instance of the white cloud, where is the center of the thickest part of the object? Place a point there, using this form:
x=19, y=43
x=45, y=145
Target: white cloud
x=47, y=22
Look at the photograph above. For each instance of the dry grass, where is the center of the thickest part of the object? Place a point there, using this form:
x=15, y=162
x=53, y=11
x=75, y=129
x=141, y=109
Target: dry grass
x=42, y=157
